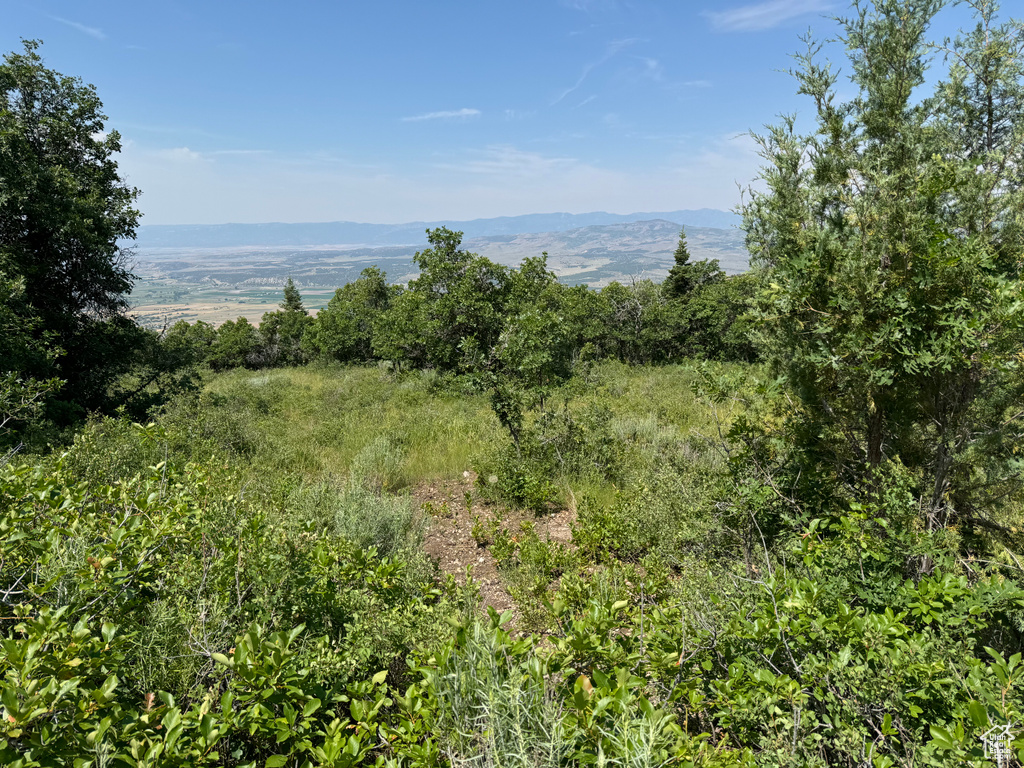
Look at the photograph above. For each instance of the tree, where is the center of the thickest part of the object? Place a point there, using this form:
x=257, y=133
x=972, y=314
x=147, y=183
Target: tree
x=685, y=277
x=451, y=314
x=638, y=328
x=888, y=241
x=533, y=354
x=21, y=395
x=343, y=331
x=64, y=212
x=282, y=331
x=237, y=345
x=189, y=344
x=712, y=321
x=586, y=319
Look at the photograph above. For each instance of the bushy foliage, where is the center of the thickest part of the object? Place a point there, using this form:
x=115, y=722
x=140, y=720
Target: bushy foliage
x=889, y=303
x=237, y=345
x=177, y=586
x=343, y=330
x=451, y=314
x=556, y=443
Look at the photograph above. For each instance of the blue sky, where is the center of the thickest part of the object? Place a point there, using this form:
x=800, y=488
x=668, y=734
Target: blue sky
x=395, y=110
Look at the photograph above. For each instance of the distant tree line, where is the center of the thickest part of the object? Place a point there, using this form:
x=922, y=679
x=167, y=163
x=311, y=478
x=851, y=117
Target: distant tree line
x=464, y=310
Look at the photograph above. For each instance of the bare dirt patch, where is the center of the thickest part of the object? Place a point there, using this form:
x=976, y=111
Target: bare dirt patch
x=449, y=535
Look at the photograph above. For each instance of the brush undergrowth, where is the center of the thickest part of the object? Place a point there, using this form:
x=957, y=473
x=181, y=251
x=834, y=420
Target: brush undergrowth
x=241, y=583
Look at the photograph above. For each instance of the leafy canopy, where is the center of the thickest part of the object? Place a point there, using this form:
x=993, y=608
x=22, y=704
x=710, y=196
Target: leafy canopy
x=889, y=240
x=64, y=212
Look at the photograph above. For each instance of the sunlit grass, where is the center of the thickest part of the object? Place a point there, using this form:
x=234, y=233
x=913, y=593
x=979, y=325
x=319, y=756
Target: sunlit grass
x=312, y=422
x=320, y=418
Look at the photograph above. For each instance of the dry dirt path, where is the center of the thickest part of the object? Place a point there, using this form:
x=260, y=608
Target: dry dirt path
x=449, y=538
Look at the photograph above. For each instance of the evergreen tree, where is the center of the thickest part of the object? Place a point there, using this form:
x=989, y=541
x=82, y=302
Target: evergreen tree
x=677, y=283
x=685, y=277
x=292, y=298
x=282, y=331
x=889, y=242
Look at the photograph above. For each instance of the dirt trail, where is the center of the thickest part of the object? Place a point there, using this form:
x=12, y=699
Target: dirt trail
x=449, y=538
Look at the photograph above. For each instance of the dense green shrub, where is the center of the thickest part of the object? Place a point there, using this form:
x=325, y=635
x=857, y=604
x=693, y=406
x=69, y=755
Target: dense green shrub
x=557, y=443
x=343, y=330
x=155, y=582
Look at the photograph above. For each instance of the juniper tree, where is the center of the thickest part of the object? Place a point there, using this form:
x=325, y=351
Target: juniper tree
x=282, y=331
x=889, y=244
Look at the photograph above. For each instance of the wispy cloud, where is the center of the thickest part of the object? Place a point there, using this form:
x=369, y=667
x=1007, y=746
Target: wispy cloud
x=443, y=115
x=502, y=160
x=589, y=6
x=614, y=47
x=187, y=155
x=95, y=32
x=613, y=120
x=653, y=69
x=240, y=152
x=758, y=16
x=179, y=155
x=698, y=83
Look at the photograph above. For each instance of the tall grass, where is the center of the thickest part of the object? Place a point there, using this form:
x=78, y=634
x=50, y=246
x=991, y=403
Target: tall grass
x=314, y=422
x=500, y=709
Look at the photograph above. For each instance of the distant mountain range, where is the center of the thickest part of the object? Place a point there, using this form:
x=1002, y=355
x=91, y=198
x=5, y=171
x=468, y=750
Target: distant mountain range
x=358, y=234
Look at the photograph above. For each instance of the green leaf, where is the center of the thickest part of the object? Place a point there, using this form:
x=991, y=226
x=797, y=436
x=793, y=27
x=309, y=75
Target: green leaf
x=311, y=706
x=979, y=715
x=941, y=737
x=380, y=677
x=277, y=761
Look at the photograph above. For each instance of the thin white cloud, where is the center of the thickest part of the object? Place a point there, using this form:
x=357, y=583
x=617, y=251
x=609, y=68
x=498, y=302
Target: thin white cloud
x=94, y=32
x=612, y=120
x=180, y=155
x=443, y=115
x=759, y=16
x=589, y=6
x=502, y=160
x=240, y=152
x=614, y=47
x=698, y=83
x=653, y=69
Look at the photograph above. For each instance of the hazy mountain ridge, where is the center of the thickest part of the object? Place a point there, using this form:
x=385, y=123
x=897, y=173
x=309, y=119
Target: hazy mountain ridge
x=411, y=233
